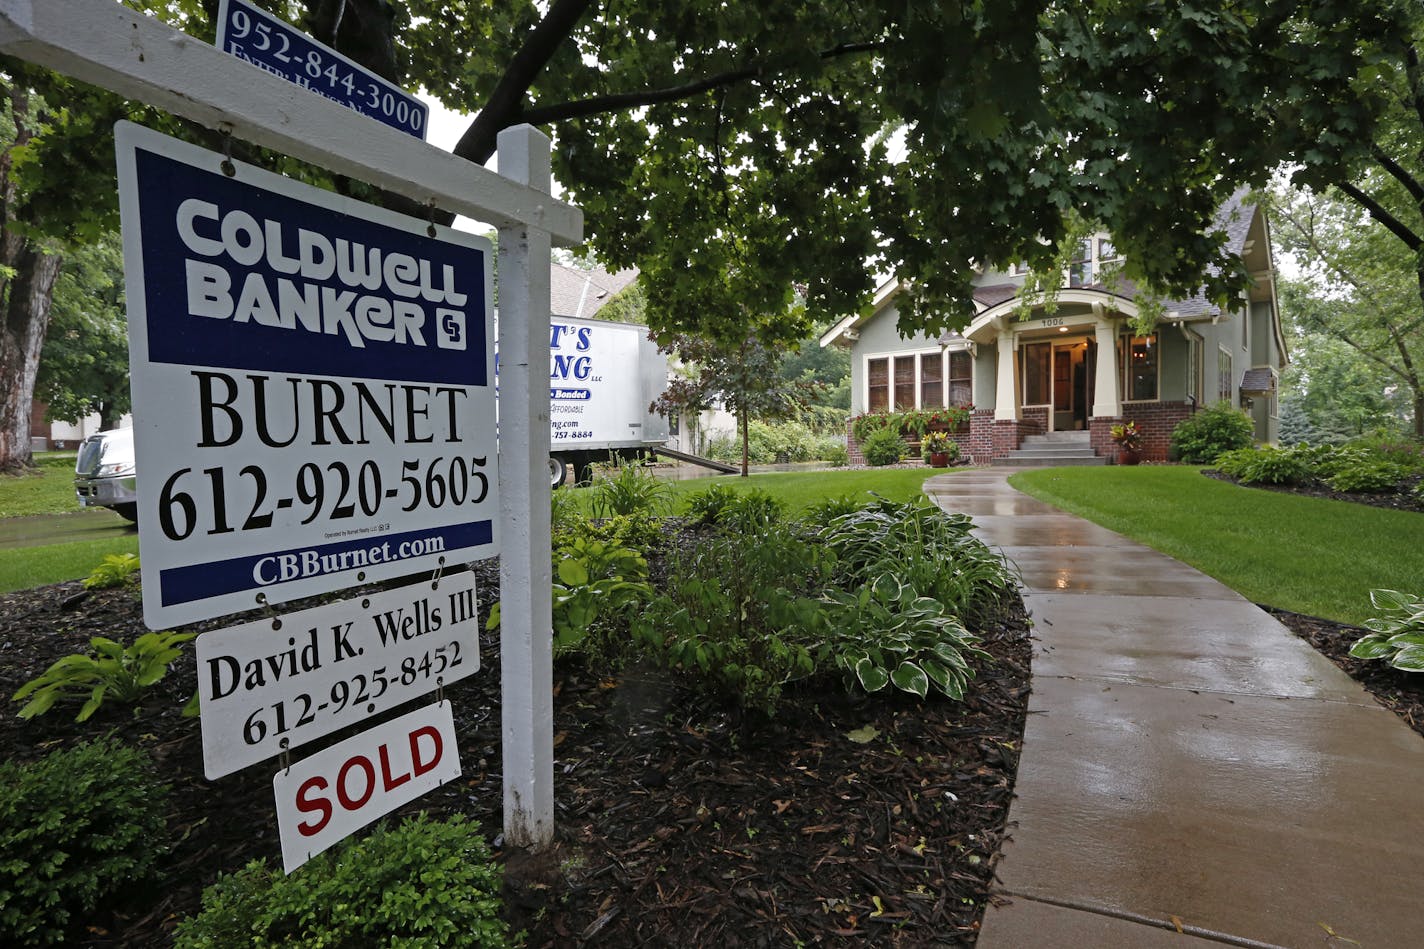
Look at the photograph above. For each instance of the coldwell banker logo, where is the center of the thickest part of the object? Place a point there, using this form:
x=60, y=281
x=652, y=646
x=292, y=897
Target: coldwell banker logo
x=310, y=281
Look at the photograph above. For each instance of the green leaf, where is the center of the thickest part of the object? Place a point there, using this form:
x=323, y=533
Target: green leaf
x=864, y=735
x=96, y=698
x=872, y=678
x=1391, y=600
x=909, y=677
x=573, y=572
x=1371, y=647
x=1409, y=659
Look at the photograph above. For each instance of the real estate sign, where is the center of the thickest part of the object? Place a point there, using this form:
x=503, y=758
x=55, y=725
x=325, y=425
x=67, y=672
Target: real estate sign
x=341, y=789
x=273, y=685
x=313, y=385
x=255, y=36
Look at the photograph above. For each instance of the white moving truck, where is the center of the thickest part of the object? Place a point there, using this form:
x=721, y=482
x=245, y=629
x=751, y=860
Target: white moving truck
x=602, y=378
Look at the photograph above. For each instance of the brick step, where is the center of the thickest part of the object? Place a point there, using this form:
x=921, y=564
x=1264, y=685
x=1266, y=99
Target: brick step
x=1019, y=461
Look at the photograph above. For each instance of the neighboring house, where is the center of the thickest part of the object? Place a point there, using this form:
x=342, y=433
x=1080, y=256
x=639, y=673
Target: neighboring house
x=576, y=292
x=1079, y=368
x=61, y=436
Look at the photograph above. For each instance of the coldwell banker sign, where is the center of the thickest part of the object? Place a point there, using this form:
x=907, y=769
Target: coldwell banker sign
x=312, y=382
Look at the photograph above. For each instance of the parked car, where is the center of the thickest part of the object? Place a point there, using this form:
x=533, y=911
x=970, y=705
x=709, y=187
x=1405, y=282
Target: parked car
x=104, y=473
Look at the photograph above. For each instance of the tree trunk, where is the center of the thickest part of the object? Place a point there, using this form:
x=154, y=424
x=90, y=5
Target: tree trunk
x=108, y=416
x=742, y=423
x=23, y=324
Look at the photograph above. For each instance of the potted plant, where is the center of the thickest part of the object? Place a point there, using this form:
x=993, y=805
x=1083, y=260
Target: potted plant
x=939, y=449
x=1129, y=443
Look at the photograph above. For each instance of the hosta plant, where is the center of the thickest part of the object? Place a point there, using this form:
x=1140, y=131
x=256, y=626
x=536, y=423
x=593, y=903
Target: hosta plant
x=885, y=633
x=114, y=672
x=1397, y=637
x=594, y=580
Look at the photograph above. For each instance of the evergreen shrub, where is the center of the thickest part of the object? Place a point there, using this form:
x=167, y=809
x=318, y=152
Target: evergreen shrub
x=883, y=447
x=77, y=827
x=1200, y=438
x=423, y=884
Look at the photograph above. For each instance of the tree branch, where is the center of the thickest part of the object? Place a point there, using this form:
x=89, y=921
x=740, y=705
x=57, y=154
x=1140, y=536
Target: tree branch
x=631, y=100
x=1395, y=226
x=1411, y=184
x=506, y=103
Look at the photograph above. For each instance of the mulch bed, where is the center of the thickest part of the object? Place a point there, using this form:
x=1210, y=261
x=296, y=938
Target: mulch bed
x=1402, y=499
x=1401, y=692
x=677, y=820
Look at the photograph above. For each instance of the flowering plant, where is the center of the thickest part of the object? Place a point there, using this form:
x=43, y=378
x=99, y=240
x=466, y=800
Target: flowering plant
x=936, y=443
x=1127, y=436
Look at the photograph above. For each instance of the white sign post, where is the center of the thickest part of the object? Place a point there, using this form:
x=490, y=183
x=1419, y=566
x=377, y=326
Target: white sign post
x=135, y=55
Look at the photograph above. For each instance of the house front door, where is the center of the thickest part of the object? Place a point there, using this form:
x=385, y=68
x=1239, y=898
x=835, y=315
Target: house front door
x=1071, y=391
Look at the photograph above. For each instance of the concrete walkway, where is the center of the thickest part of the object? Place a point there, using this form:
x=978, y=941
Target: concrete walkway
x=1188, y=762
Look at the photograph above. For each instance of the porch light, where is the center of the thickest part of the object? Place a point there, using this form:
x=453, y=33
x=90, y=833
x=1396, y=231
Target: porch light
x=1062, y=329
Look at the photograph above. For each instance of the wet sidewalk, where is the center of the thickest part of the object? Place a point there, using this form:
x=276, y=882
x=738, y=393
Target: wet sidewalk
x=1188, y=763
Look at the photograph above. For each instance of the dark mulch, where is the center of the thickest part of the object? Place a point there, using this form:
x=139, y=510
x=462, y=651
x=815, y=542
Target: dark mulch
x=1402, y=692
x=677, y=821
x=1402, y=498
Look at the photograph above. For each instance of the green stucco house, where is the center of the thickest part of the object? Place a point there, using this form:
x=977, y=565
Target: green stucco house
x=1076, y=371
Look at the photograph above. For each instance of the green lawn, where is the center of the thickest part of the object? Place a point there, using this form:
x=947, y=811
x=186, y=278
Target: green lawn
x=799, y=489
x=24, y=567
x=49, y=490
x=1302, y=554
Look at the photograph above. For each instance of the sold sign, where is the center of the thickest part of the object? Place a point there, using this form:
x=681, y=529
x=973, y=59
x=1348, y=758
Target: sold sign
x=338, y=791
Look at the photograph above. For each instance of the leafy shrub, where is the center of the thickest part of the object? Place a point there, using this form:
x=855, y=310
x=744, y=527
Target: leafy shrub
x=836, y=453
x=115, y=571
x=883, y=447
x=115, y=672
x=884, y=633
x=641, y=531
x=1266, y=464
x=821, y=513
x=706, y=506
x=1368, y=476
x=76, y=828
x=565, y=515
x=769, y=443
x=596, y=583
x=634, y=490
x=1200, y=438
x=863, y=426
x=752, y=511
x=925, y=547
x=1397, y=637
x=1406, y=452
x=422, y=884
x=738, y=616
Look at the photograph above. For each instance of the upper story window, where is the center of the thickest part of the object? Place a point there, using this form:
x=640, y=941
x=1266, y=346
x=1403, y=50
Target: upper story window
x=1223, y=374
x=1080, y=266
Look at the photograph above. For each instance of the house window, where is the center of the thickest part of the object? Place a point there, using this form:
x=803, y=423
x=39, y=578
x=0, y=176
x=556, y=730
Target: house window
x=903, y=372
x=961, y=380
x=1245, y=319
x=931, y=380
x=1140, y=365
x=1194, y=368
x=1106, y=250
x=917, y=380
x=878, y=380
x=1223, y=374
x=1037, y=363
x=1080, y=268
